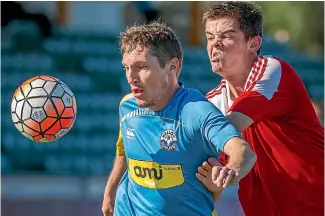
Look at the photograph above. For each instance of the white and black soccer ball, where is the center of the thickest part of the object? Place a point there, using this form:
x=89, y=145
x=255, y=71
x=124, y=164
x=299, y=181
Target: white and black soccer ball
x=43, y=108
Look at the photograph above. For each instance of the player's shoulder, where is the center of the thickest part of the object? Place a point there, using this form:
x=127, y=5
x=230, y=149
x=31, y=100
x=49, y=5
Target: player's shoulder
x=196, y=108
x=265, y=65
x=195, y=101
x=128, y=103
x=268, y=72
x=127, y=98
x=272, y=60
x=269, y=64
x=192, y=95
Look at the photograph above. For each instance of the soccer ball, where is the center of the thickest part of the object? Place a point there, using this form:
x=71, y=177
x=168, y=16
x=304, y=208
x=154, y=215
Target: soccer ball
x=43, y=108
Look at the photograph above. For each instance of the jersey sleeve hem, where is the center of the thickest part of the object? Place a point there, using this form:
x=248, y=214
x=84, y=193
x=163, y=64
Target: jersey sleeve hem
x=225, y=139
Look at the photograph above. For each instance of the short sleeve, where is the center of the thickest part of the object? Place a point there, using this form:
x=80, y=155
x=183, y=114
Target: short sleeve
x=214, y=126
x=268, y=93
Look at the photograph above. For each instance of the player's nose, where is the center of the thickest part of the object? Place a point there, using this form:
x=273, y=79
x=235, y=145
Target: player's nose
x=132, y=77
x=217, y=42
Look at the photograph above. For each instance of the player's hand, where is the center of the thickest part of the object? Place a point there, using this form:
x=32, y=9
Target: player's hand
x=108, y=204
x=223, y=176
x=204, y=174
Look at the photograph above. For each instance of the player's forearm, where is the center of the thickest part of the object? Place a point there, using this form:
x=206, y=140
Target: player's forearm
x=241, y=156
x=118, y=170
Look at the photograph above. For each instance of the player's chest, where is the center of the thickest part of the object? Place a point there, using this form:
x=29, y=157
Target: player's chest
x=158, y=149
x=150, y=134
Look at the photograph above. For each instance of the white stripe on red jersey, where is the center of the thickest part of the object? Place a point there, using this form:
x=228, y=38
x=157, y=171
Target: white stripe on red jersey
x=217, y=95
x=264, y=81
x=216, y=90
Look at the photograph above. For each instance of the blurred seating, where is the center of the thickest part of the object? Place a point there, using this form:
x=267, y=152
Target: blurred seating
x=90, y=64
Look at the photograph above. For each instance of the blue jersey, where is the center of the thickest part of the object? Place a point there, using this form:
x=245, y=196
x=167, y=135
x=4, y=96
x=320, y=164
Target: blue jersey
x=164, y=149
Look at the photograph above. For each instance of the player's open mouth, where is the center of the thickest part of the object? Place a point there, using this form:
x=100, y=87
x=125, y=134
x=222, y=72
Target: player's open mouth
x=215, y=57
x=137, y=91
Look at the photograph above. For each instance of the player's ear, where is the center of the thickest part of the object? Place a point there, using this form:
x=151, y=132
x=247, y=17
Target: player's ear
x=174, y=65
x=254, y=44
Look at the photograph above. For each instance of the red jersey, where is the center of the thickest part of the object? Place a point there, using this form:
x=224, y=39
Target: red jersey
x=288, y=177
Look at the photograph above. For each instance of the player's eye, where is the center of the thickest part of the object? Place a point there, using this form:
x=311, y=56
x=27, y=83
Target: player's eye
x=142, y=67
x=227, y=36
x=126, y=68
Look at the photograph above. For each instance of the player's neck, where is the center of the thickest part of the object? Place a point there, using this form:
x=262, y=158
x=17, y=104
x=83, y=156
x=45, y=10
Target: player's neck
x=238, y=79
x=168, y=95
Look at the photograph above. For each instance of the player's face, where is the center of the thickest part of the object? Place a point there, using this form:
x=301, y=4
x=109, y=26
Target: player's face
x=226, y=44
x=148, y=81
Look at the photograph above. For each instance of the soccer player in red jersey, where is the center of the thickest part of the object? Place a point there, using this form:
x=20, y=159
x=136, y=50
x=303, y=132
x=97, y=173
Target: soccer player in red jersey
x=263, y=97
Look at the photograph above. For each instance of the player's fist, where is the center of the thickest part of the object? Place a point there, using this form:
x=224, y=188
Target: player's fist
x=223, y=176
x=108, y=204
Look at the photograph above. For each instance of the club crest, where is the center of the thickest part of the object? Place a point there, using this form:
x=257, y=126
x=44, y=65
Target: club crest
x=168, y=140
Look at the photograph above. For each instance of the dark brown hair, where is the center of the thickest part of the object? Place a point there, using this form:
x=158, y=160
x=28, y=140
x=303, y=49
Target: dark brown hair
x=248, y=15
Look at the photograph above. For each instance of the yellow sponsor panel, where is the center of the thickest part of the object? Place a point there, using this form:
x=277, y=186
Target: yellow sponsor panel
x=153, y=175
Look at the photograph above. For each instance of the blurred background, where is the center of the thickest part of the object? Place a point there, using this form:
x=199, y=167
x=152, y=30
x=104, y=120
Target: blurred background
x=77, y=43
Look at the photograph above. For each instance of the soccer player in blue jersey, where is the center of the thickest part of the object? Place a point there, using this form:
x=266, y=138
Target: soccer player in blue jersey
x=168, y=131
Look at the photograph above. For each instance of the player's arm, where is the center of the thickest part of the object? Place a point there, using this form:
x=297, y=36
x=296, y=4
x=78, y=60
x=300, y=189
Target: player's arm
x=262, y=99
x=223, y=137
x=118, y=170
x=241, y=160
